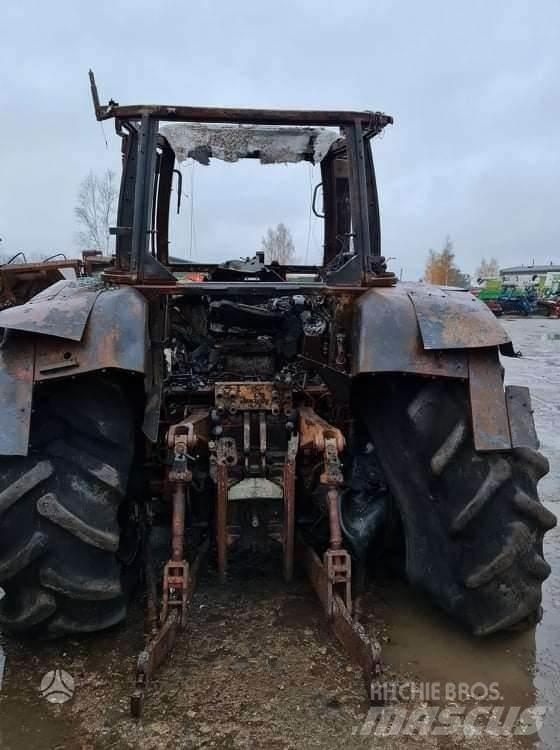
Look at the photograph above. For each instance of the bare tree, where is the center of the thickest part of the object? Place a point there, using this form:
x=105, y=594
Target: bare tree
x=278, y=245
x=95, y=210
x=488, y=269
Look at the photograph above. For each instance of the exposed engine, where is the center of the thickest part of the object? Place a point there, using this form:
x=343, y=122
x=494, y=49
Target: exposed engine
x=245, y=377
x=224, y=340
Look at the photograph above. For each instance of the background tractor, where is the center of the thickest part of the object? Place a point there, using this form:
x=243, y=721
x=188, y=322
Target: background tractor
x=318, y=410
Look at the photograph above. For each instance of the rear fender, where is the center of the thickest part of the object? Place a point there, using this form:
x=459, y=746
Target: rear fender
x=386, y=338
x=114, y=337
x=425, y=330
x=42, y=344
x=59, y=310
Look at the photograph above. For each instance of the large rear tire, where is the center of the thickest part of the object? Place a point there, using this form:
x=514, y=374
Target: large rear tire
x=473, y=522
x=61, y=509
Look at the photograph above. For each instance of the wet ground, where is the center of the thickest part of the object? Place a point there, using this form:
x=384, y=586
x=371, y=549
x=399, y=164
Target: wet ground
x=262, y=670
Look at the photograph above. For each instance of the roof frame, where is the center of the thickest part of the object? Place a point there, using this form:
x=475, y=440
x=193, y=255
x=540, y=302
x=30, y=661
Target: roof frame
x=371, y=122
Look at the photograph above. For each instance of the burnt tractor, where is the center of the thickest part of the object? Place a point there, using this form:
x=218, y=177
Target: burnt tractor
x=20, y=280
x=327, y=411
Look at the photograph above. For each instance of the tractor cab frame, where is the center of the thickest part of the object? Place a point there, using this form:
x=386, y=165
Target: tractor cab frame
x=352, y=244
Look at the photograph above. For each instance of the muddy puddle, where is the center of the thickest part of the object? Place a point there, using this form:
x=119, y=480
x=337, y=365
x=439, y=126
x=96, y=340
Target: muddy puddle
x=262, y=670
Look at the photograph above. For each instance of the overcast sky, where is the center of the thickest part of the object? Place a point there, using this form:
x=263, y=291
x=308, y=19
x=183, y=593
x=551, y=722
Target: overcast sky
x=473, y=87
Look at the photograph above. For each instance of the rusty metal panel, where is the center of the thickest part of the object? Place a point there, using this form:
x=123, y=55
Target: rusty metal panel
x=488, y=403
x=386, y=338
x=16, y=393
x=363, y=651
x=520, y=414
x=454, y=319
x=116, y=336
x=60, y=310
x=315, y=570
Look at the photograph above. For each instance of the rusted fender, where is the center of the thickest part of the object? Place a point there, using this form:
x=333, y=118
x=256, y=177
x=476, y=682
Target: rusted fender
x=386, y=338
x=114, y=335
x=420, y=329
x=425, y=330
x=454, y=319
x=60, y=310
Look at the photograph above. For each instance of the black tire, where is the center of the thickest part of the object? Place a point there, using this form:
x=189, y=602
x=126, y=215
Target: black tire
x=473, y=522
x=60, y=548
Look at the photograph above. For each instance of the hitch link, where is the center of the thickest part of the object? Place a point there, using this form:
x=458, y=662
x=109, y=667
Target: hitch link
x=331, y=577
x=179, y=578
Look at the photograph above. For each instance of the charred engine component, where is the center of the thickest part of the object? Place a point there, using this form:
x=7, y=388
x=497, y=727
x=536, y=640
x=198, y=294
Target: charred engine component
x=226, y=315
x=283, y=325
x=223, y=340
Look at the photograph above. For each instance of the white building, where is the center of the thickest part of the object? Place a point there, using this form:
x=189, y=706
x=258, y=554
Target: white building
x=521, y=276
